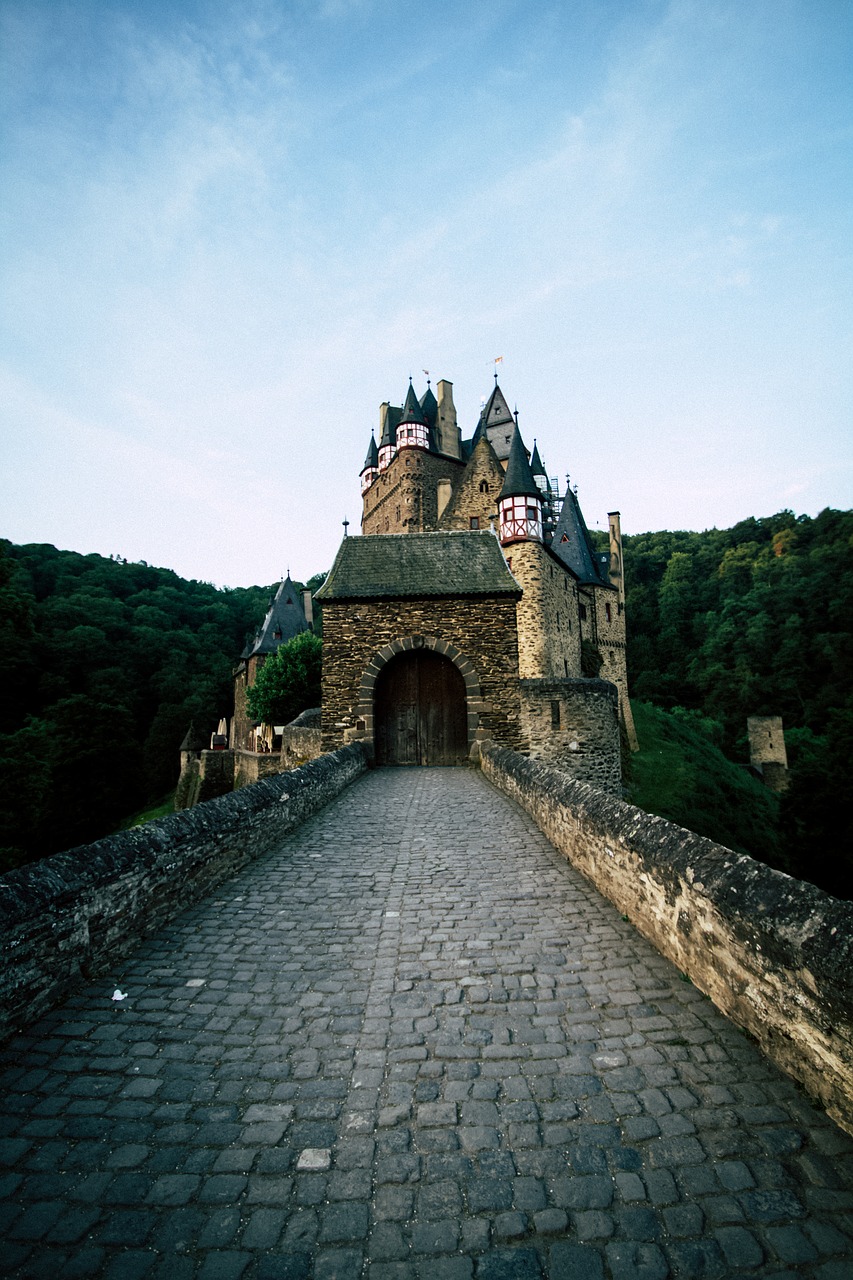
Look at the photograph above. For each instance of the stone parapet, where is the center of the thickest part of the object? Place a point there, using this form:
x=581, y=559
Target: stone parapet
x=574, y=725
x=773, y=953
x=74, y=914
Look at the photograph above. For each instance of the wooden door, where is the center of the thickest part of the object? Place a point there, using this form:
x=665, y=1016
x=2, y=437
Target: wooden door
x=420, y=711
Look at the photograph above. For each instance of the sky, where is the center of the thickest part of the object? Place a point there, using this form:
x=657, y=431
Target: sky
x=229, y=231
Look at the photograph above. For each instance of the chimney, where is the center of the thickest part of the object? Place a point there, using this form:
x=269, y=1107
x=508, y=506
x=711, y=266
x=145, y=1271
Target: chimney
x=617, y=575
x=308, y=606
x=448, y=431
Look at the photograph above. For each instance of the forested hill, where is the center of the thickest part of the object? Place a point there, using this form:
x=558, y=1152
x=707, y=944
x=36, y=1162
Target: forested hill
x=758, y=620
x=104, y=664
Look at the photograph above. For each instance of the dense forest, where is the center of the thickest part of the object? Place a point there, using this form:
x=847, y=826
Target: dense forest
x=105, y=664
x=758, y=620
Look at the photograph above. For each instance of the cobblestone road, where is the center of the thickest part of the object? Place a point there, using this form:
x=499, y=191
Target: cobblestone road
x=413, y=1043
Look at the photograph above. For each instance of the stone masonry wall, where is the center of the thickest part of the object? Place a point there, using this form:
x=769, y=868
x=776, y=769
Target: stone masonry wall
x=253, y=766
x=609, y=628
x=404, y=498
x=574, y=725
x=548, y=630
x=476, y=494
x=75, y=914
x=774, y=954
x=481, y=628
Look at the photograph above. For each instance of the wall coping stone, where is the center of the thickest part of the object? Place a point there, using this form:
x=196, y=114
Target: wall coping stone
x=773, y=953
x=75, y=913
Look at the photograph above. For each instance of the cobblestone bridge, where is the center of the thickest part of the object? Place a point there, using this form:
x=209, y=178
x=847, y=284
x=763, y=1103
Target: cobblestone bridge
x=412, y=1043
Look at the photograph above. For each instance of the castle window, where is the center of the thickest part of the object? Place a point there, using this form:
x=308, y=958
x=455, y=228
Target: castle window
x=565, y=666
x=607, y=611
x=509, y=562
x=484, y=486
x=474, y=522
x=555, y=715
x=582, y=612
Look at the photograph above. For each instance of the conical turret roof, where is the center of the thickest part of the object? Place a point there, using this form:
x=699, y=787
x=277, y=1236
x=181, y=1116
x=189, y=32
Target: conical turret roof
x=429, y=406
x=519, y=478
x=412, y=411
x=372, y=459
x=193, y=740
x=536, y=462
x=389, y=426
x=572, y=544
x=285, y=619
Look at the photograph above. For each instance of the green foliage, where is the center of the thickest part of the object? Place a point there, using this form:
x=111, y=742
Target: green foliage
x=104, y=665
x=680, y=773
x=161, y=809
x=758, y=620
x=289, y=681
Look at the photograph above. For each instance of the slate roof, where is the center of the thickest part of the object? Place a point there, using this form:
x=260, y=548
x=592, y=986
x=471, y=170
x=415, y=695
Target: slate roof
x=429, y=406
x=285, y=619
x=571, y=543
x=412, y=411
x=519, y=478
x=393, y=565
x=194, y=740
x=372, y=459
x=392, y=420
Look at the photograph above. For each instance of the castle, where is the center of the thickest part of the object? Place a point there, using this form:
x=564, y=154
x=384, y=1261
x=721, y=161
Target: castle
x=474, y=604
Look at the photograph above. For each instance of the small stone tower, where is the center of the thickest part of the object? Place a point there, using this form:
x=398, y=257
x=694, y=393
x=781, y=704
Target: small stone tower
x=767, y=753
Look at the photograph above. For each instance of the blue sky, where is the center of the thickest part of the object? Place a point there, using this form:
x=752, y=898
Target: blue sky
x=228, y=231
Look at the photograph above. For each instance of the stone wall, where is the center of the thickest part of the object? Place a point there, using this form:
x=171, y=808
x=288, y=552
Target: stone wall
x=607, y=632
x=548, y=629
x=774, y=954
x=767, y=751
x=404, y=498
x=479, y=628
x=476, y=493
x=299, y=745
x=574, y=725
x=77, y=913
x=253, y=766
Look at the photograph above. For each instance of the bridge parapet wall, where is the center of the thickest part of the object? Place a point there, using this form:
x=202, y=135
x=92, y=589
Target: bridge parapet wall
x=773, y=953
x=76, y=914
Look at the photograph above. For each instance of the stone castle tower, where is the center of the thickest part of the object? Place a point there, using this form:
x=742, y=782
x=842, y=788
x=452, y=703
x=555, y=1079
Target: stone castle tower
x=474, y=605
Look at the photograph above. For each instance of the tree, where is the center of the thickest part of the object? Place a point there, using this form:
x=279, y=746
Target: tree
x=289, y=681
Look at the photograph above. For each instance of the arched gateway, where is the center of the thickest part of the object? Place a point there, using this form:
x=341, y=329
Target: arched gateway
x=420, y=711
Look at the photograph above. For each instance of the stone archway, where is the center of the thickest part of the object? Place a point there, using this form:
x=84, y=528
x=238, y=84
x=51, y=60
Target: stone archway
x=413, y=698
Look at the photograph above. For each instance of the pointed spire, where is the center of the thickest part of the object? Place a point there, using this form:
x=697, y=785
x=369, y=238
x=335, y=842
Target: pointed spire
x=372, y=459
x=413, y=428
x=284, y=620
x=412, y=412
x=519, y=478
x=536, y=462
x=572, y=544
